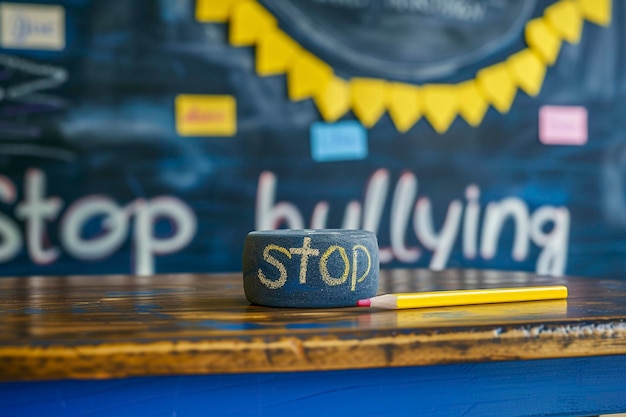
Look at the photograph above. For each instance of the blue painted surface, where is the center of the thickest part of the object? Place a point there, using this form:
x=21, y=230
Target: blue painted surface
x=564, y=387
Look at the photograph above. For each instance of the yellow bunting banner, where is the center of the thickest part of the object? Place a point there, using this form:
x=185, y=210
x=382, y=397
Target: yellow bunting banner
x=566, y=19
x=310, y=77
x=528, y=71
x=214, y=10
x=472, y=103
x=596, y=11
x=497, y=84
x=368, y=99
x=541, y=39
x=249, y=21
x=441, y=104
x=274, y=52
x=334, y=101
x=404, y=104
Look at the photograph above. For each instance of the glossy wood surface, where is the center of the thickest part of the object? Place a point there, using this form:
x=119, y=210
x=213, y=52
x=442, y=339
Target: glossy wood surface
x=113, y=326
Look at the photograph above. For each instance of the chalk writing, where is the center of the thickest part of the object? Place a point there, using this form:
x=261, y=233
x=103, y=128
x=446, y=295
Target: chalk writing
x=326, y=277
x=354, y=265
x=52, y=77
x=32, y=26
x=461, y=219
x=348, y=4
x=451, y=9
x=36, y=210
x=307, y=251
x=271, y=284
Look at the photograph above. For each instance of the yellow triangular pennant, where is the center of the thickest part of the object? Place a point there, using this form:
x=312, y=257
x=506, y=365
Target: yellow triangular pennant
x=497, y=84
x=249, y=21
x=528, y=71
x=368, y=99
x=334, y=102
x=307, y=76
x=441, y=105
x=596, y=11
x=565, y=18
x=274, y=52
x=542, y=40
x=404, y=104
x=472, y=104
x=214, y=10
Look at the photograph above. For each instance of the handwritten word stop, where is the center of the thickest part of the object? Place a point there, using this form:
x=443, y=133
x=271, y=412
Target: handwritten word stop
x=310, y=268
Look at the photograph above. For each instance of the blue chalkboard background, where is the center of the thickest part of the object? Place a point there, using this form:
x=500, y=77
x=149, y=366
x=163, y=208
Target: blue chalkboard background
x=103, y=134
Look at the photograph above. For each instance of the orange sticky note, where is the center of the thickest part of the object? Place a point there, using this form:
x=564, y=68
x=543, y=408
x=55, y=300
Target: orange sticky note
x=368, y=99
x=441, y=105
x=404, y=104
x=205, y=115
x=334, y=101
x=497, y=84
x=472, y=104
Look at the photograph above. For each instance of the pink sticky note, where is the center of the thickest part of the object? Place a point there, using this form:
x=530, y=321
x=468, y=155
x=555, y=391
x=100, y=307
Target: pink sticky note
x=563, y=125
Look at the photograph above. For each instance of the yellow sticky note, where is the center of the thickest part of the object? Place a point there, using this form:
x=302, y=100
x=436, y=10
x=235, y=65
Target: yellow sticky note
x=496, y=82
x=308, y=76
x=528, y=71
x=334, y=102
x=205, y=115
x=566, y=20
x=542, y=40
x=249, y=21
x=472, y=104
x=596, y=11
x=214, y=10
x=274, y=52
x=404, y=104
x=368, y=99
x=441, y=105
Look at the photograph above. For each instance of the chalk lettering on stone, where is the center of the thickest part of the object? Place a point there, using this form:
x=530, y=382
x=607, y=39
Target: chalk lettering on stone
x=305, y=251
x=282, y=279
x=326, y=277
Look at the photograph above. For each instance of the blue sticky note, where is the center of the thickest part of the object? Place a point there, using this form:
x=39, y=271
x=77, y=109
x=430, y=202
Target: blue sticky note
x=341, y=141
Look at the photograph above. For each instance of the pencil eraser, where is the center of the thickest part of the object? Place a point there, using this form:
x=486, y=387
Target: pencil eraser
x=364, y=303
x=310, y=268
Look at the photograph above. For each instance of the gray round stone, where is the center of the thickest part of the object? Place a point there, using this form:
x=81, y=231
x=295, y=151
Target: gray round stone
x=310, y=268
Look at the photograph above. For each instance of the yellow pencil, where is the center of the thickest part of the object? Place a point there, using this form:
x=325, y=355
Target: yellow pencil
x=465, y=297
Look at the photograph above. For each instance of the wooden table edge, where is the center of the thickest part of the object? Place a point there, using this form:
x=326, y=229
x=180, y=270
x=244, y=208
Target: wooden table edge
x=298, y=353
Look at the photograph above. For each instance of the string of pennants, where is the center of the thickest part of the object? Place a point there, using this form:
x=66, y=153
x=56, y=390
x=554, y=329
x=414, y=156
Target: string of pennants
x=251, y=24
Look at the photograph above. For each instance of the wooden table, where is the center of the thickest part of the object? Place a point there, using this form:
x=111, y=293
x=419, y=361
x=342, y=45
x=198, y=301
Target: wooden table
x=192, y=345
